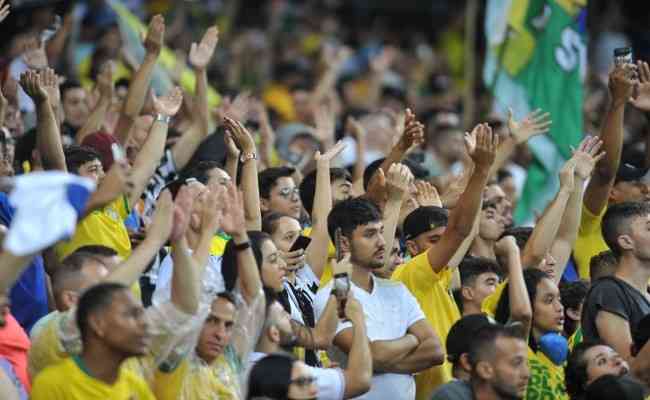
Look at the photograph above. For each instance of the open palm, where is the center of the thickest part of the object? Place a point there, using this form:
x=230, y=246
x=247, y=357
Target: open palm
x=642, y=100
x=200, y=54
x=535, y=123
x=170, y=103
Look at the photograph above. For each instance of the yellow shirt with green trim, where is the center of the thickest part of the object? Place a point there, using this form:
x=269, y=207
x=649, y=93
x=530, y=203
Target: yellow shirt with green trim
x=589, y=242
x=193, y=379
x=103, y=227
x=67, y=381
x=546, y=379
x=431, y=289
x=218, y=245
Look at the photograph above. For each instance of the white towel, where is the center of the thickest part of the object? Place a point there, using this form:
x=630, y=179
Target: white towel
x=47, y=205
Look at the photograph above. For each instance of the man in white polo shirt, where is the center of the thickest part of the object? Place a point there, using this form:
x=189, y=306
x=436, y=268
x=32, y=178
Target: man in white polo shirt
x=402, y=342
x=332, y=383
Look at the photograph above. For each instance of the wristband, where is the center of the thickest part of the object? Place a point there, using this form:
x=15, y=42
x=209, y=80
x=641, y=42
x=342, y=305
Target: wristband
x=242, y=246
x=163, y=118
x=247, y=156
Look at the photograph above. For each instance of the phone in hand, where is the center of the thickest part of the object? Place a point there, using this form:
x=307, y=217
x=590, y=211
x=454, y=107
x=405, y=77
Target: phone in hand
x=622, y=55
x=301, y=243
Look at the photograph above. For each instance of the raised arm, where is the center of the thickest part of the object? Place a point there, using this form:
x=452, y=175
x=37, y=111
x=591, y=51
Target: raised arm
x=250, y=187
x=234, y=224
x=164, y=219
x=398, y=180
x=413, y=135
x=141, y=79
x=48, y=138
x=533, y=124
x=481, y=145
x=316, y=253
x=585, y=158
x=200, y=55
x=147, y=160
x=520, y=308
x=97, y=116
x=621, y=88
x=547, y=227
x=358, y=132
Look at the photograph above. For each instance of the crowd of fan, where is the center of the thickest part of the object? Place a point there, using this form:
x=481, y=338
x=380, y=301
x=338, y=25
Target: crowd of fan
x=243, y=252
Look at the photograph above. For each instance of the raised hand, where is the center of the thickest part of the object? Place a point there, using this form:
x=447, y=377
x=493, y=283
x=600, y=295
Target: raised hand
x=469, y=139
x=621, y=84
x=642, y=101
x=413, y=132
x=231, y=147
x=105, y=80
x=50, y=82
x=4, y=10
x=233, y=221
x=486, y=146
x=398, y=180
x=182, y=209
x=10, y=90
x=331, y=153
x=240, y=135
x=215, y=204
x=376, y=191
x=170, y=103
x=31, y=84
x=155, y=35
x=162, y=221
x=355, y=129
x=586, y=156
x=535, y=123
x=34, y=55
x=506, y=247
x=200, y=54
x=427, y=194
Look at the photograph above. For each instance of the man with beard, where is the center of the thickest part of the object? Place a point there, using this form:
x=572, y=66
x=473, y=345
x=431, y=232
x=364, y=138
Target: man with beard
x=499, y=362
x=113, y=328
x=332, y=383
x=402, y=342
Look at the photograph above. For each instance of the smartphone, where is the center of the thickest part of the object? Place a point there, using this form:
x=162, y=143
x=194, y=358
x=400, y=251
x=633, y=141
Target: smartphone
x=622, y=55
x=301, y=243
x=337, y=244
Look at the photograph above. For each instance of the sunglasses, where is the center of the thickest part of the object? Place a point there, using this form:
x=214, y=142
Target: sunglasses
x=287, y=192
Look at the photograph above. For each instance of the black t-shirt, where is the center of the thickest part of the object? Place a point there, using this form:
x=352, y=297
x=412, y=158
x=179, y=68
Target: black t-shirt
x=617, y=297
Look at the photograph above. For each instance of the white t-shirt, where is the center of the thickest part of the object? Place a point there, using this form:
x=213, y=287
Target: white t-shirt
x=390, y=309
x=330, y=381
x=212, y=281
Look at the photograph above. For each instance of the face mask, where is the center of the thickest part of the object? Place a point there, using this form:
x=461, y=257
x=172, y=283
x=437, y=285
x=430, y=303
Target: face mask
x=555, y=347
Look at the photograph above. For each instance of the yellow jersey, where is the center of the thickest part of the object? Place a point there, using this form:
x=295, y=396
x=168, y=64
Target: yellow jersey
x=432, y=292
x=589, y=242
x=68, y=381
x=193, y=379
x=101, y=227
x=546, y=379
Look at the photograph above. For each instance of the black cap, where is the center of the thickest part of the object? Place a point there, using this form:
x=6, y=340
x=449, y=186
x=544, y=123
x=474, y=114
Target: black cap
x=423, y=220
x=462, y=332
x=609, y=387
x=629, y=173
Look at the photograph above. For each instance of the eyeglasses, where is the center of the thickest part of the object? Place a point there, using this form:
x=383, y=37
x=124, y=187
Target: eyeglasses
x=304, y=381
x=287, y=192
